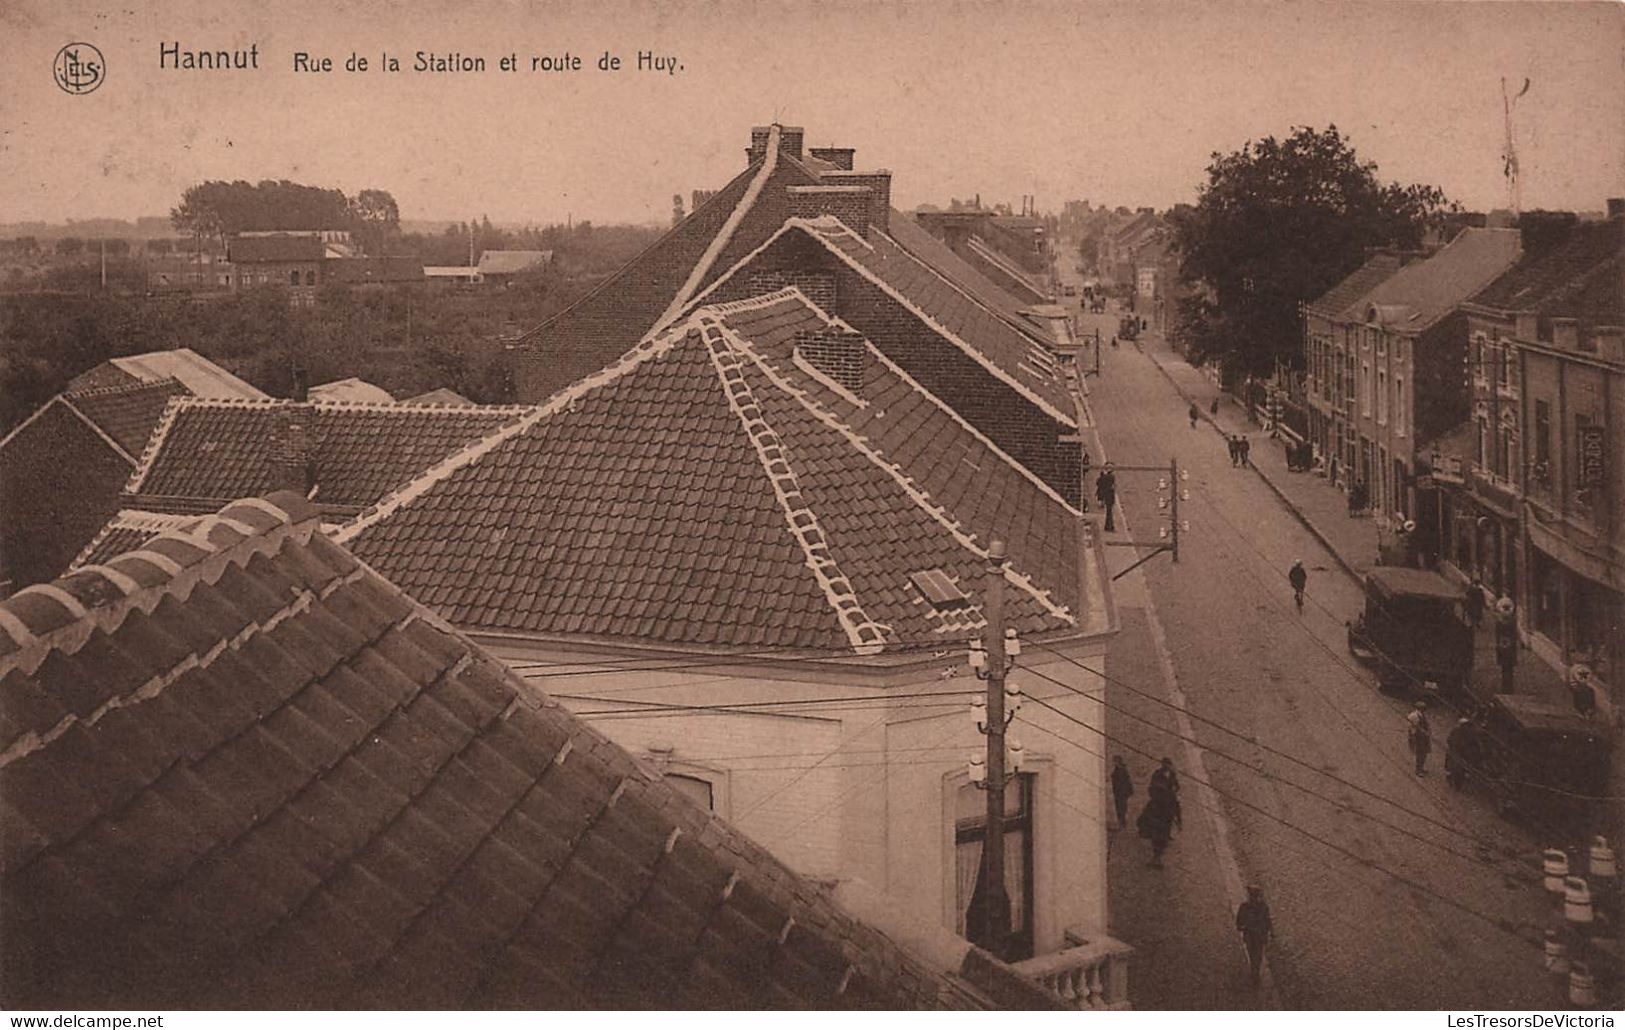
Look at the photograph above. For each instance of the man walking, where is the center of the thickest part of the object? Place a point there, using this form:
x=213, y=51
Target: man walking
x=1157, y=821
x=1246, y=447
x=1298, y=576
x=1194, y=414
x=1234, y=447
x=1420, y=736
x=1253, y=920
x=1106, y=492
x=1474, y=604
x=1506, y=642
x=1122, y=788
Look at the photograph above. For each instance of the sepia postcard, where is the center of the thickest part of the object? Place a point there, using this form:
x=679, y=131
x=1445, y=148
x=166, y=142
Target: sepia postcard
x=787, y=505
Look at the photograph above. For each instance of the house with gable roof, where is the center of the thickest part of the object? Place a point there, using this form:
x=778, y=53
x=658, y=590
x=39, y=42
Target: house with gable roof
x=904, y=289
x=751, y=551
x=243, y=770
x=62, y=468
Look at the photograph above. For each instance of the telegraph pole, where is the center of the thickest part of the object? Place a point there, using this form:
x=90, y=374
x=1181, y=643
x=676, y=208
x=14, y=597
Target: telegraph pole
x=990, y=899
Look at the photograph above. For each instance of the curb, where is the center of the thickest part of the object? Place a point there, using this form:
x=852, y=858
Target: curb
x=1314, y=531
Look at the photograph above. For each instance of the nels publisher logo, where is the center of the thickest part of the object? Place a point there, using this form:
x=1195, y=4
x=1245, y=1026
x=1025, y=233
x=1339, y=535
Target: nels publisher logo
x=79, y=68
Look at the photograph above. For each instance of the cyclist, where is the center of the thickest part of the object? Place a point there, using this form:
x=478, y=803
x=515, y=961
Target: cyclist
x=1298, y=577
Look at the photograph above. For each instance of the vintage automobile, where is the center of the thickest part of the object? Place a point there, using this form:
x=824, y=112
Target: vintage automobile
x=1538, y=758
x=1413, y=632
x=1128, y=328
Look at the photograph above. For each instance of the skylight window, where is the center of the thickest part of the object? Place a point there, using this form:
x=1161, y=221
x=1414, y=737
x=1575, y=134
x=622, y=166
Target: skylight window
x=941, y=591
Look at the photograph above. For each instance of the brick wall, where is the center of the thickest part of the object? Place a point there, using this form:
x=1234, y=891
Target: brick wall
x=840, y=157
x=853, y=205
x=818, y=287
x=839, y=354
x=879, y=184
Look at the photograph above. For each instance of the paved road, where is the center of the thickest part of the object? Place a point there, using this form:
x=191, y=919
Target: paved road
x=1431, y=901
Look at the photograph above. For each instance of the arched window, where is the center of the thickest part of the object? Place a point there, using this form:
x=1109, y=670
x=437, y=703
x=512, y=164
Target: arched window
x=293, y=277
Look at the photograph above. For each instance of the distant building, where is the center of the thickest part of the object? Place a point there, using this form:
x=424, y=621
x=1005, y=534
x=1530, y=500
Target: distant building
x=282, y=259
x=501, y=266
x=351, y=390
x=374, y=271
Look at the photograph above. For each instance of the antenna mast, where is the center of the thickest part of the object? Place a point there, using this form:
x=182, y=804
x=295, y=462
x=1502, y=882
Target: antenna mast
x=1509, y=158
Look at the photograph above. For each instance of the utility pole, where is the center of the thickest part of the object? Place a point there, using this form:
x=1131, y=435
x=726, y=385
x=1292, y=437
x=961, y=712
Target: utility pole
x=1173, y=482
x=988, y=921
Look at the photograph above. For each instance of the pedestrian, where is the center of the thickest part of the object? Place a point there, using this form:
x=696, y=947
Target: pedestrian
x=1460, y=751
x=1213, y=409
x=1195, y=413
x=1122, y=789
x=1253, y=920
x=1474, y=604
x=1298, y=576
x=1246, y=446
x=1157, y=821
x=1114, y=343
x=1165, y=781
x=1420, y=736
x=1506, y=642
x=1331, y=471
x=1106, y=492
x=1235, y=450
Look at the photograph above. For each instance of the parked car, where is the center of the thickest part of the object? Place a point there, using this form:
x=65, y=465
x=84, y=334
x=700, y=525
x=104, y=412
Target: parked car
x=1413, y=632
x=1540, y=760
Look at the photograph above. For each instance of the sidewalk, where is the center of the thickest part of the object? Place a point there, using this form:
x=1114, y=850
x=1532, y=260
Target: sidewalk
x=1323, y=510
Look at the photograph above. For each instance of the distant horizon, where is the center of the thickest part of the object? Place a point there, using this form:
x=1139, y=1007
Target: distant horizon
x=1077, y=100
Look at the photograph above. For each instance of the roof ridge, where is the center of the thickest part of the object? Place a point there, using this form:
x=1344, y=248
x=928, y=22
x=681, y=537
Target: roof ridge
x=1009, y=379
x=719, y=242
x=155, y=442
x=1004, y=264
x=129, y=518
x=130, y=387
x=106, y=437
x=914, y=490
x=103, y=596
x=867, y=636
x=19, y=427
x=646, y=349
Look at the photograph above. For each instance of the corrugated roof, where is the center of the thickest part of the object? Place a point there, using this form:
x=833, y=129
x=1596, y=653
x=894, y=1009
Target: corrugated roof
x=507, y=262
x=707, y=491
x=242, y=770
x=202, y=377
x=1422, y=292
x=351, y=390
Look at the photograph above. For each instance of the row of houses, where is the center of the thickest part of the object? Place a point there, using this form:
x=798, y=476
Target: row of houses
x=1476, y=392
x=729, y=551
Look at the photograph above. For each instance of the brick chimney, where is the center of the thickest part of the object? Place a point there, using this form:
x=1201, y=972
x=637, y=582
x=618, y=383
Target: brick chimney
x=837, y=354
x=853, y=205
x=840, y=157
x=790, y=139
x=879, y=183
x=293, y=448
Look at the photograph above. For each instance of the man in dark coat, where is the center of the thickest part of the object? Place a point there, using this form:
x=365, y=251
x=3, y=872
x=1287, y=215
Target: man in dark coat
x=1253, y=920
x=1234, y=445
x=1460, y=752
x=1165, y=781
x=1122, y=788
x=1246, y=447
x=1506, y=642
x=1106, y=492
x=1194, y=414
x=1474, y=604
x=1157, y=821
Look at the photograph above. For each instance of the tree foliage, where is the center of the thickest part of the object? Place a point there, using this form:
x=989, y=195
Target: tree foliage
x=375, y=220
x=219, y=209
x=1278, y=223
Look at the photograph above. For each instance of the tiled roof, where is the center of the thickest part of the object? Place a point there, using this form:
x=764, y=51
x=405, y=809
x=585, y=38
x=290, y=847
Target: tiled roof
x=1425, y=291
x=1335, y=301
x=1010, y=354
x=705, y=492
x=128, y=414
x=1542, y=278
x=206, y=452
x=240, y=769
x=250, y=249
x=1008, y=270
x=127, y=531
x=912, y=237
x=352, y=390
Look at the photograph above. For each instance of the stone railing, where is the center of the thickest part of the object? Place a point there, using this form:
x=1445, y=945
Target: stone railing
x=1092, y=973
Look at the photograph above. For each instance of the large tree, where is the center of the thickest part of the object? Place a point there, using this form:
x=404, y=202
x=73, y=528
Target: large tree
x=1280, y=222
x=375, y=219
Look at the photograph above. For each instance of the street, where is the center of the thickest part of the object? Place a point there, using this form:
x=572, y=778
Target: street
x=1388, y=890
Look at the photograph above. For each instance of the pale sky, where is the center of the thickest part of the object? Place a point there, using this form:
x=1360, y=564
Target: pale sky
x=1114, y=102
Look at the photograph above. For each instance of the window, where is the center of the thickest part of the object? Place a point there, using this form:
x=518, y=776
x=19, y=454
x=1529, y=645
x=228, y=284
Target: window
x=1540, y=472
x=970, y=830
x=310, y=277
x=293, y=277
x=1588, y=461
x=1399, y=405
x=1480, y=358
x=1382, y=397
x=1482, y=458
x=695, y=789
x=938, y=589
x=1365, y=388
